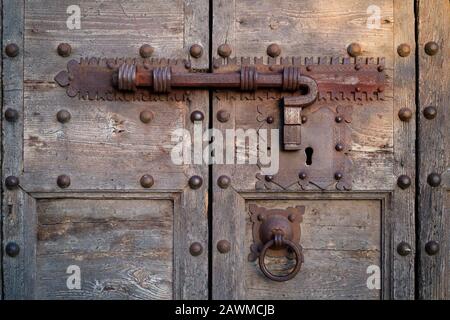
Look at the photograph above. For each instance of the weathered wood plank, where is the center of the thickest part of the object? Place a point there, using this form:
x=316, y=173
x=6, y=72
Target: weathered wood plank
x=402, y=226
x=434, y=143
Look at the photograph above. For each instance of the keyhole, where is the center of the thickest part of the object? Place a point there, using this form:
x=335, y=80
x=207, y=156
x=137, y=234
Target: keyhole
x=309, y=153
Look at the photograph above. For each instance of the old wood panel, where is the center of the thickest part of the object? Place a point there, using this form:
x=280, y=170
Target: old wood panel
x=433, y=153
x=130, y=241
x=382, y=146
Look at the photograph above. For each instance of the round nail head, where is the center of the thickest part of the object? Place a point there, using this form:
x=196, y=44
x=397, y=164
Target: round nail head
x=147, y=181
x=431, y=48
x=430, y=112
x=196, y=249
x=146, y=51
x=223, y=115
x=404, y=50
x=403, y=181
x=197, y=116
x=12, y=249
x=195, y=182
x=64, y=49
x=63, y=116
x=223, y=246
x=405, y=114
x=146, y=116
x=434, y=179
x=63, y=181
x=224, y=182
x=404, y=249
x=11, y=182
x=432, y=247
x=11, y=115
x=224, y=50
x=354, y=49
x=12, y=50
x=273, y=50
x=196, y=51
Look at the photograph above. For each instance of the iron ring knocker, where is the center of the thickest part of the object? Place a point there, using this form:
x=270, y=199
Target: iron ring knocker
x=297, y=249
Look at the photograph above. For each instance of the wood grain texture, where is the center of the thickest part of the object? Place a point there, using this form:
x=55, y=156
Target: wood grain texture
x=402, y=225
x=124, y=248
x=434, y=142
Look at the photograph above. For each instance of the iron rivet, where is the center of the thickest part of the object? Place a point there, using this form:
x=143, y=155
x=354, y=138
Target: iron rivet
x=223, y=246
x=260, y=217
x=12, y=50
x=146, y=51
x=302, y=175
x=380, y=89
x=223, y=115
x=404, y=249
x=403, y=181
x=403, y=50
x=405, y=114
x=358, y=89
x=224, y=182
x=309, y=68
x=197, y=116
x=434, y=179
x=338, y=176
x=292, y=217
x=63, y=116
x=380, y=68
x=195, y=182
x=339, y=119
x=146, y=116
x=147, y=181
x=429, y=112
x=268, y=178
x=63, y=181
x=339, y=147
x=357, y=66
x=224, y=50
x=12, y=249
x=354, y=49
x=274, y=50
x=432, y=247
x=304, y=119
x=64, y=49
x=196, y=249
x=187, y=64
x=270, y=119
x=11, y=182
x=431, y=48
x=196, y=51
x=11, y=115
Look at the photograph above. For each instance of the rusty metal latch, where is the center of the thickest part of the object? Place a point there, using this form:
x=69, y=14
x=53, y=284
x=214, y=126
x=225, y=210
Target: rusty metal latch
x=307, y=81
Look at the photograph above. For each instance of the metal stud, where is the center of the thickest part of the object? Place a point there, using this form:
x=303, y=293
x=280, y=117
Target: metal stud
x=223, y=115
x=338, y=176
x=224, y=182
x=380, y=68
x=224, y=50
x=405, y=114
x=429, y=112
x=223, y=246
x=357, y=66
x=270, y=119
x=12, y=249
x=273, y=50
x=197, y=116
x=196, y=51
x=11, y=115
x=195, y=182
x=146, y=116
x=12, y=182
x=432, y=247
x=304, y=119
x=431, y=48
x=403, y=181
x=339, y=147
x=187, y=64
x=63, y=116
x=147, y=181
x=404, y=50
x=268, y=178
x=146, y=51
x=196, y=249
x=12, y=50
x=309, y=68
x=64, y=49
x=404, y=249
x=339, y=119
x=434, y=179
x=63, y=181
x=354, y=49
x=302, y=175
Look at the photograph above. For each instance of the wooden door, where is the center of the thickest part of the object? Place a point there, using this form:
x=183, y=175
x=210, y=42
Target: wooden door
x=357, y=228
x=79, y=221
